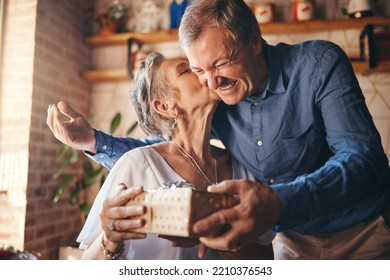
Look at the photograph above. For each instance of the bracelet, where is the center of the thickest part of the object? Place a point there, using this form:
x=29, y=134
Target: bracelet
x=110, y=254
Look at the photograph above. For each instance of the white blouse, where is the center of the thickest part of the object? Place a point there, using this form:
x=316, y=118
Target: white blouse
x=145, y=167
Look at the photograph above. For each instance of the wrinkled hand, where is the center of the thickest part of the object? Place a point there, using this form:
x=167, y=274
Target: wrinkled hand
x=258, y=211
x=75, y=132
x=124, y=219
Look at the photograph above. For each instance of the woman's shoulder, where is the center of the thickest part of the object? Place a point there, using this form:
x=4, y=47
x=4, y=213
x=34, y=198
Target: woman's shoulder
x=139, y=152
x=136, y=159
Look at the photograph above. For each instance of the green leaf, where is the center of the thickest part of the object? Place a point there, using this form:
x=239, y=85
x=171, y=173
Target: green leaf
x=89, y=118
x=97, y=171
x=115, y=122
x=84, y=209
x=88, y=168
x=60, y=190
x=75, y=194
x=62, y=151
x=74, y=156
x=102, y=179
x=132, y=128
x=62, y=166
x=87, y=182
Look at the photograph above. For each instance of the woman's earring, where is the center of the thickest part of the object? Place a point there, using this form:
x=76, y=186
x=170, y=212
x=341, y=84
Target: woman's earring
x=174, y=125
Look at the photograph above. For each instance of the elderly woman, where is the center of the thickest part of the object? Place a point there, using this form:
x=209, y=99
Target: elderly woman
x=169, y=102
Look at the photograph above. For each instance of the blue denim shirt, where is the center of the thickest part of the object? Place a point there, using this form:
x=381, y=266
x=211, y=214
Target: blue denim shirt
x=309, y=135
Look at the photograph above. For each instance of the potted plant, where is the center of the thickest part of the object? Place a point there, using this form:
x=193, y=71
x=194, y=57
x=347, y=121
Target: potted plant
x=10, y=253
x=77, y=184
x=112, y=19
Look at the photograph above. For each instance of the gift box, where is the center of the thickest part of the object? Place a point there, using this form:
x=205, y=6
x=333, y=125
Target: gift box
x=173, y=210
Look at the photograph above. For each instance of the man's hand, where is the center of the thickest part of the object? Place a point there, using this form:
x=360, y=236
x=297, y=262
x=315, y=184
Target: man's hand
x=75, y=132
x=258, y=211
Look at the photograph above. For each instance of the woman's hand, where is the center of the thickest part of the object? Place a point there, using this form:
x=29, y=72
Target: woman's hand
x=119, y=221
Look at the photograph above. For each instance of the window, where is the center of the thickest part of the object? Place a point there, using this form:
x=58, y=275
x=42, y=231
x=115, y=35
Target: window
x=2, y=10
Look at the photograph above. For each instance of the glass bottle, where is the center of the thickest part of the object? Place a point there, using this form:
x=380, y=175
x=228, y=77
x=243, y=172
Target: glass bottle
x=173, y=11
x=181, y=7
x=303, y=10
x=177, y=9
x=359, y=8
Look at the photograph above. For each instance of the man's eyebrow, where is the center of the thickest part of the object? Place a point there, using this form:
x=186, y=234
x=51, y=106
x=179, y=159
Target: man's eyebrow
x=213, y=64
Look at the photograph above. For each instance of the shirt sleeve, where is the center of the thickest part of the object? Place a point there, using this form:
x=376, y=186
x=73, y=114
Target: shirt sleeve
x=109, y=148
x=353, y=185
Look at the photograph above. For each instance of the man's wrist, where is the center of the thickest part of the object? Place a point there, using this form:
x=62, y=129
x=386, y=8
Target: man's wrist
x=92, y=147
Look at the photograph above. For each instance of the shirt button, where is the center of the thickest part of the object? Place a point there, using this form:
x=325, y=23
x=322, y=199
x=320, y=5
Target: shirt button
x=272, y=180
x=259, y=143
x=256, y=103
x=104, y=147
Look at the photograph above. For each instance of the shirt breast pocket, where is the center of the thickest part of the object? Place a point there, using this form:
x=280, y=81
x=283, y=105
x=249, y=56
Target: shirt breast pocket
x=301, y=150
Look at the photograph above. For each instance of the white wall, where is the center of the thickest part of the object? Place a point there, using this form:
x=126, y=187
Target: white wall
x=108, y=98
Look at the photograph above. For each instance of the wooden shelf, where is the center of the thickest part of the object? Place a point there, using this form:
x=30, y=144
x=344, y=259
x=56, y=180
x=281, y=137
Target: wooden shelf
x=116, y=75
x=112, y=75
x=268, y=28
x=321, y=25
x=120, y=75
x=122, y=38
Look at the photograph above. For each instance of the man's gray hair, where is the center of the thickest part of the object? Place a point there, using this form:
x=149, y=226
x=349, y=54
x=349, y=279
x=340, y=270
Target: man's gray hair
x=232, y=16
x=149, y=85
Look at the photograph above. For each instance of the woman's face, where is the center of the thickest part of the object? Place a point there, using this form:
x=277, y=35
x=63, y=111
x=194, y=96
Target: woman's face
x=191, y=93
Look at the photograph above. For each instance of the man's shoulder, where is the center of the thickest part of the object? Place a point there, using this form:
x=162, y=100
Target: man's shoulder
x=309, y=46
x=306, y=54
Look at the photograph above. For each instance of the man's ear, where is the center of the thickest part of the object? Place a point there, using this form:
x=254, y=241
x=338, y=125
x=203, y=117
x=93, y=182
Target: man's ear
x=257, y=41
x=163, y=108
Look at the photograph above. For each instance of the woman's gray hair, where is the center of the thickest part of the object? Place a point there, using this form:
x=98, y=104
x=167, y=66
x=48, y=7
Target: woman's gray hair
x=149, y=85
x=233, y=16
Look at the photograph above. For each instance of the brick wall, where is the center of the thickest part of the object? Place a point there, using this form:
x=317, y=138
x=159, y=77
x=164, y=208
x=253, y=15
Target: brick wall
x=60, y=57
x=15, y=112
x=43, y=58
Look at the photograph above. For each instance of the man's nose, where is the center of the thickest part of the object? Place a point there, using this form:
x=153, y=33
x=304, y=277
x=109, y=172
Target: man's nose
x=212, y=80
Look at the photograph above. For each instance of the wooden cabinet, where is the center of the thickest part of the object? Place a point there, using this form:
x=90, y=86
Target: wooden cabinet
x=269, y=28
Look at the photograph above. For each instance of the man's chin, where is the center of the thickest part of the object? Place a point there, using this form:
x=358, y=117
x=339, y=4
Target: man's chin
x=231, y=100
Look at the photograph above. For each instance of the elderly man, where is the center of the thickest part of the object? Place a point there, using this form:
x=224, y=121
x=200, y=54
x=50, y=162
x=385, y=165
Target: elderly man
x=293, y=115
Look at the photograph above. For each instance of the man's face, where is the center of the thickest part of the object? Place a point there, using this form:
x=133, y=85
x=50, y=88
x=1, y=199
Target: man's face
x=229, y=70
